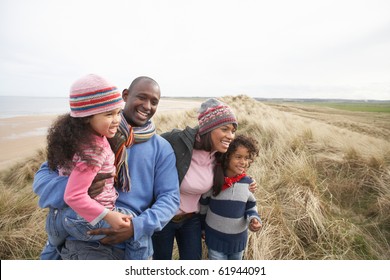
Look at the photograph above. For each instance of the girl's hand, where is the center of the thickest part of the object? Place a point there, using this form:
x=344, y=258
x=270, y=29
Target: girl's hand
x=255, y=225
x=118, y=220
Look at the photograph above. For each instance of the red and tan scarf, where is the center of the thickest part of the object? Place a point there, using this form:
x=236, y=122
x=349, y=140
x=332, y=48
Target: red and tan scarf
x=125, y=137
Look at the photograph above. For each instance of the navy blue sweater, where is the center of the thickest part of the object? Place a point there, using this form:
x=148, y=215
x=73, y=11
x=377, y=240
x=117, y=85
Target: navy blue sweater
x=227, y=215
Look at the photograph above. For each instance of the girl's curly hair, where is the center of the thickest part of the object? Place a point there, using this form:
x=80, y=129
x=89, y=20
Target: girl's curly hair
x=66, y=137
x=223, y=159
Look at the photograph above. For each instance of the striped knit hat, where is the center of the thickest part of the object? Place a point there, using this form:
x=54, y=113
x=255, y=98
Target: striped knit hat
x=91, y=95
x=213, y=113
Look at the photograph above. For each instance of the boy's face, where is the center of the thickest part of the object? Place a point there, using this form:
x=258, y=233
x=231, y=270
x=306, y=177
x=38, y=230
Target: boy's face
x=238, y=162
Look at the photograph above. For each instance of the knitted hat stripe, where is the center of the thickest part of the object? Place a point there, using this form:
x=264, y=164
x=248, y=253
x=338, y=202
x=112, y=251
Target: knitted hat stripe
x=96, y=99
x=214, y=114
x=96, y=105
x=217, y=114
x=217, y=123
x=212, y=110
x=91, y=93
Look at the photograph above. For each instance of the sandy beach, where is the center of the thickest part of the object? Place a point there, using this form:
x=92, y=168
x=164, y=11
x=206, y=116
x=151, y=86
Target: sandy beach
x=21, y=137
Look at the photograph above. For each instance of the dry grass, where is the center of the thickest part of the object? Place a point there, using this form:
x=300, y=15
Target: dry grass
x=323, y=184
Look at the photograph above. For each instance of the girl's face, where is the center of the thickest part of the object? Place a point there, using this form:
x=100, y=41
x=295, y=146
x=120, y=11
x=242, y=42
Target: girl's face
x=221, y=137
x=107, y=123
x=238, y=162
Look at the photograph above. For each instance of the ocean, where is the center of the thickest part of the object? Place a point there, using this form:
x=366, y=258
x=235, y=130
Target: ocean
x=14, y=106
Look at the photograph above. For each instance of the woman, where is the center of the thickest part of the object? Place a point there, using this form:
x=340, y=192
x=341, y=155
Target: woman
x=195, y=150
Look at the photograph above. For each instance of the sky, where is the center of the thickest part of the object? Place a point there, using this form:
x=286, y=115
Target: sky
x=260, y=48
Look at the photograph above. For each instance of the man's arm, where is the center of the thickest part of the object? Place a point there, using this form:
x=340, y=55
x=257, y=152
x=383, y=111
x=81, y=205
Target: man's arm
x=50, y=187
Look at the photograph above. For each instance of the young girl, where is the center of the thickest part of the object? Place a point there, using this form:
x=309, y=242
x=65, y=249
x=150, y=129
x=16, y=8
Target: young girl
x=229, y=207
x=78, y=148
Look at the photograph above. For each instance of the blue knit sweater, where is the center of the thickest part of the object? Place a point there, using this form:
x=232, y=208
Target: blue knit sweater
x=226, y=217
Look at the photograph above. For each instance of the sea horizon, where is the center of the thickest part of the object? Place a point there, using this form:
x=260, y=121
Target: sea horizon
x=21, y=106
x=17, y=106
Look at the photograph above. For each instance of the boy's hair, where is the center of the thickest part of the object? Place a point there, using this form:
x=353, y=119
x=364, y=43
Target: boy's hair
x=223, y=159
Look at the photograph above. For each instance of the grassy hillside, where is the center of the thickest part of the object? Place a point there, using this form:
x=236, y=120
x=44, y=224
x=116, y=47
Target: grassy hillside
x=323, y=177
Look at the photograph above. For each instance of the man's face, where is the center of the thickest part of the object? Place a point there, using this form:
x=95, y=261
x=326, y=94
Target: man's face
x=141, y=102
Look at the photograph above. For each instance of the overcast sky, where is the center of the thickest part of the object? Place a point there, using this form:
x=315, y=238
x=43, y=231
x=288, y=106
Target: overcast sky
x=261, y=48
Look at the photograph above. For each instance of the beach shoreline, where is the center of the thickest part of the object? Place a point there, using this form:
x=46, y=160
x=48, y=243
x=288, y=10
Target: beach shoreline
x=21, y=137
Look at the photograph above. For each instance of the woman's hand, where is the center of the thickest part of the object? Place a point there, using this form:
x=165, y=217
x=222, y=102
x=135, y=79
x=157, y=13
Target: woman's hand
x=253, y=186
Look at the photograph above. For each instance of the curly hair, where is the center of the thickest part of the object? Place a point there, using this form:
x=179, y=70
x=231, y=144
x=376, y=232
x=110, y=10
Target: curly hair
x=223, y=159
x=66, y=137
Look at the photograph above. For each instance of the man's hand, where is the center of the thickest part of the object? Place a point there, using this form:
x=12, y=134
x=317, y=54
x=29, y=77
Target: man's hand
x=114, y=236
x=98, y=183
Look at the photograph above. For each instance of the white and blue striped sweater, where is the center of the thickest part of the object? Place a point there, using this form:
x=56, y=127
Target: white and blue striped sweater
x=226, y=217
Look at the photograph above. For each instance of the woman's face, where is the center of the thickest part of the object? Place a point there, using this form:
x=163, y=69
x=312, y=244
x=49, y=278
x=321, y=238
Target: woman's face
x=222, y=136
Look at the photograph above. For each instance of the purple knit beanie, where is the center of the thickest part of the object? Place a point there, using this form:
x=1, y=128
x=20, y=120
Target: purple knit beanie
x=213, y=113
x=91, y=95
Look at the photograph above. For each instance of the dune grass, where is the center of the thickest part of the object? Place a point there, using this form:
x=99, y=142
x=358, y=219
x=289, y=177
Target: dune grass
x=323, y=185
x=355, y=106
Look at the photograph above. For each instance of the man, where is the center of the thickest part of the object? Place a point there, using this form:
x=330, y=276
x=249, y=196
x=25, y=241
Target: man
x=154, y=193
